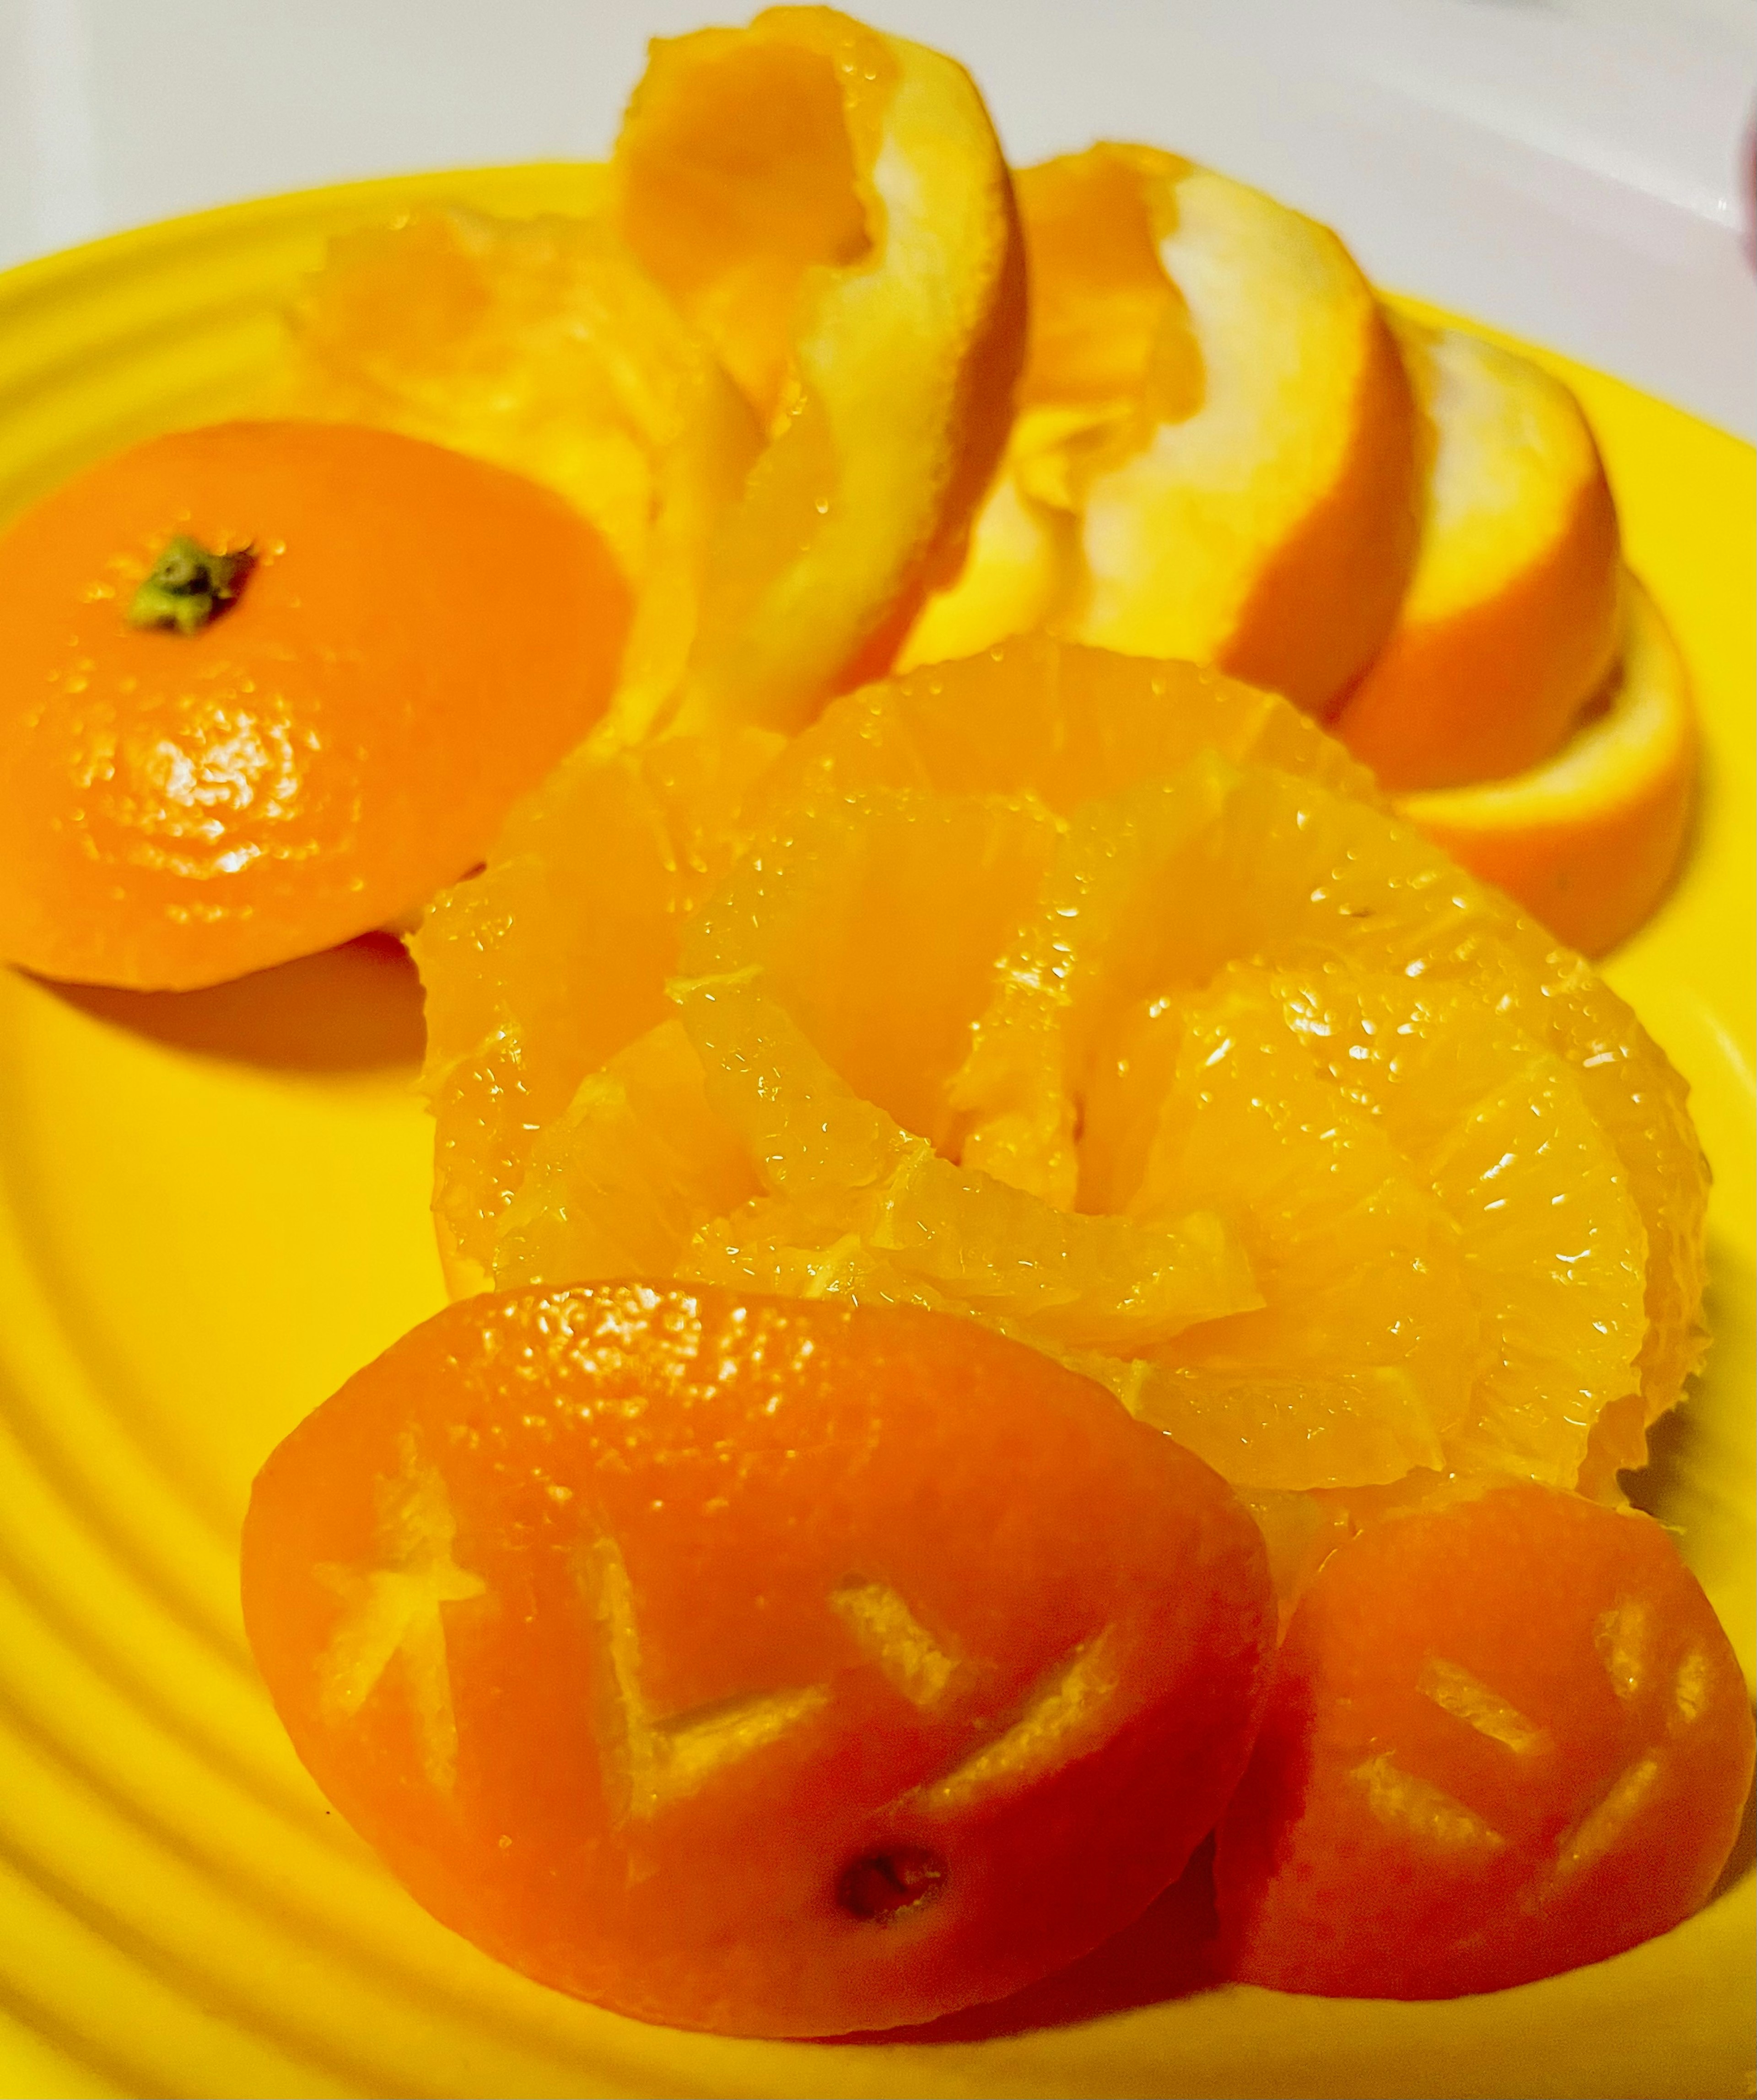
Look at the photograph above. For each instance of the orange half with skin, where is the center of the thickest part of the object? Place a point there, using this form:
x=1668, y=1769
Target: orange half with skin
x=1215, y=457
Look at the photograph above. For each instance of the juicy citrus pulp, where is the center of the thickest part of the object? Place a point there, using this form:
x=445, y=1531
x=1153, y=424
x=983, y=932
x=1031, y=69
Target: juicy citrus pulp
x=1099, y=1000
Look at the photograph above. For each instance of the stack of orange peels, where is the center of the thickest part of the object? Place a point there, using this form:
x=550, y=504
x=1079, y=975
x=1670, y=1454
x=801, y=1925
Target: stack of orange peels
x=1216, y=453
x=1223, y=452
x=1103, y=1001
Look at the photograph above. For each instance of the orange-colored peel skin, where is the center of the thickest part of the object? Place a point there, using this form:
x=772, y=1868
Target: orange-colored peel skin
x=1324, y=601
x=828, y=206
x=1496, y=688
x=1510, y=627
x=417, y=638
x=664, y=1642
x=1588, y=840
x=1507, y=1737
x=1215, y=454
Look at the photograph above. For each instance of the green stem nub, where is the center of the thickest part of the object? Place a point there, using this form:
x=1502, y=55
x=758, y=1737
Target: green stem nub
x=187, y=586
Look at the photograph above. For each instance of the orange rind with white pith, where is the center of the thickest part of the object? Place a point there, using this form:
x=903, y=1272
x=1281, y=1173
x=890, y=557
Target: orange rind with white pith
x=1588, y=841
x=829, y=208
x=1216, y=453
x=774, y=364
x=1512, y=617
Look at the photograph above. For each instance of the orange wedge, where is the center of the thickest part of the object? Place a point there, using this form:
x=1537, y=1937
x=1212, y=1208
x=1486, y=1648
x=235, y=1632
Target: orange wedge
x=1512, y=620
x=1588, y=840
x=1215, y=457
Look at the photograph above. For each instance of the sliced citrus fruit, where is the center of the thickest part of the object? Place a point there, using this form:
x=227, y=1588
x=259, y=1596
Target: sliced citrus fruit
x=829, y=207
x=1213, y=404
x=571, y=1592
x=244, y=671
x=1512, y=617
x=1588, y=839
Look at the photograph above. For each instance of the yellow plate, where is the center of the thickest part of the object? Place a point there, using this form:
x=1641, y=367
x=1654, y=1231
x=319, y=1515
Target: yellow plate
x=213, y=1208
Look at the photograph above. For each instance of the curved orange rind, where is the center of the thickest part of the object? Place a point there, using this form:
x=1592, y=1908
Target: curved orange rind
x=1588, y=840
x=829, y=207
x=775, y=365
x=1215, y=457
x=1512, y=616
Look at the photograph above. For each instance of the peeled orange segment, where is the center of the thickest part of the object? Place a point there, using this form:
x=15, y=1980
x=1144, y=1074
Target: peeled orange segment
x=555, y=957
x=542, y=344
x=1106, y=1283
x=814, y=942
x=1051, y=720
x=1501, y=1129
x=844, y=907
x=1363, y=1353
x=1512, y=617
x=829, y=207
x=1214, y=404
x=1588, y=839
x=619, y=1184
x=1156, y=890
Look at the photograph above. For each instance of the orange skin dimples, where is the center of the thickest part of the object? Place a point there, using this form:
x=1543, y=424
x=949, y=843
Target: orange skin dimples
x=415, y=639
x=768, y=1666
x=1507, y=1737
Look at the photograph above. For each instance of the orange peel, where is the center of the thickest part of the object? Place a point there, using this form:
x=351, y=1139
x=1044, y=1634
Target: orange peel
x=1589, y=840
x=1512, y=617
x=829, y=207
x=1216, y=453
x=542, y=345
x=773, y=364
